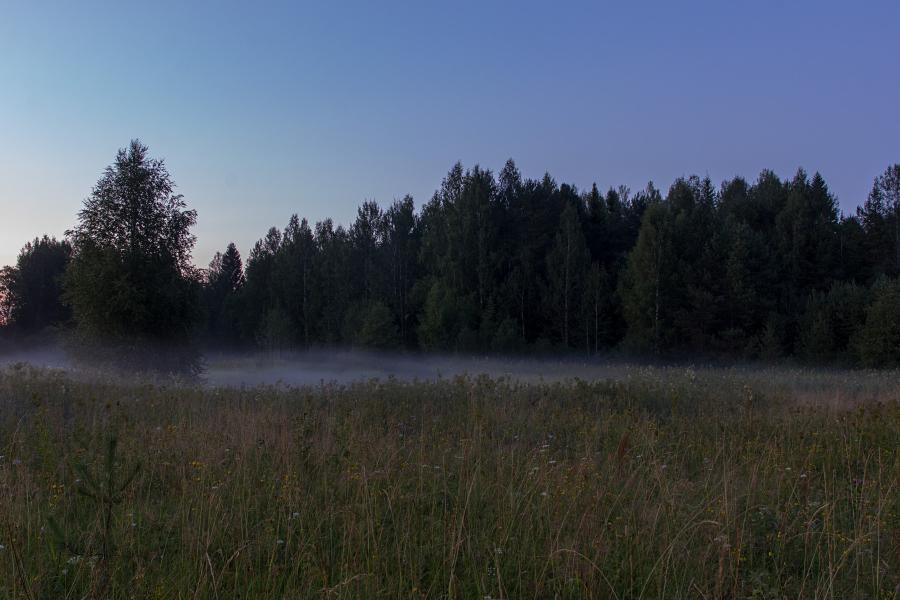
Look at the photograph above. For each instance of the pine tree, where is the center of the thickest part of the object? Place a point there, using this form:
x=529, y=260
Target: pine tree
x=646, y=286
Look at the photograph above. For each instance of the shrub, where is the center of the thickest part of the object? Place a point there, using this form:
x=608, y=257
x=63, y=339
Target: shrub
x=878, y=343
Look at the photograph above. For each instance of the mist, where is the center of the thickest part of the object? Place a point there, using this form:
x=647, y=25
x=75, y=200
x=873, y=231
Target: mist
x=332, y=366
x=221, y=368
x=292, y=369
x=350, y=366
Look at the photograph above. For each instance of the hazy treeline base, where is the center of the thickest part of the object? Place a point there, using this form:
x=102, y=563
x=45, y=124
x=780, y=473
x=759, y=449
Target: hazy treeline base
x=491, y=263
x=667, y=484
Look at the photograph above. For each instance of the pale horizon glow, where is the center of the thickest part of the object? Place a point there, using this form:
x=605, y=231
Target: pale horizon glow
x=261, y=113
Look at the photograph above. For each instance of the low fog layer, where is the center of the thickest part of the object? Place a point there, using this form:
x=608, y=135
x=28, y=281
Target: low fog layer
x=312, y=368
x=49, y=356
x=332, y=366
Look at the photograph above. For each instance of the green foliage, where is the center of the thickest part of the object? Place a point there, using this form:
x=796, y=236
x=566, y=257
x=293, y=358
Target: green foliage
x=130, y=281
x=439, y=326
x=224, y=279
x=507, y=338
x=86, y=531
x=878, y=342
x=378, y=328
x=879, y=218
x=501, y=263
x=31, y=292
x=647, y=283
x=104, y=489
x=276, y=331
x=509, y=264
x=118, y=301
x=831, y=321
x=771, y=341
x=567, y=265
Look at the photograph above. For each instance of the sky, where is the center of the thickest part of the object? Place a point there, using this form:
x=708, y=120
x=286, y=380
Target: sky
x=261, y=110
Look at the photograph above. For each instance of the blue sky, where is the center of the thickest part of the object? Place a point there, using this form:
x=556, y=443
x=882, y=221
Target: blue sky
x=266, y=109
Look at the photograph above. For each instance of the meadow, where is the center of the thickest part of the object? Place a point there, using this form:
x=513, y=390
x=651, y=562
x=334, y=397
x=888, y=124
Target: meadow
x=653, y=483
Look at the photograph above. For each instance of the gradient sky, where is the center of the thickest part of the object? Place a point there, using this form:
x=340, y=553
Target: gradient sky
x=262, y=110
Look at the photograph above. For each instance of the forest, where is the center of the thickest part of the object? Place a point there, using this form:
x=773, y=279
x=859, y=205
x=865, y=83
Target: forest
x=760, y=269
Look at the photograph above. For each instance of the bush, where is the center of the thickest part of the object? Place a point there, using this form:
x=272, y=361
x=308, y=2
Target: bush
x=378, y=330
x=507, y=339
x=878, y=343
x=831, y=321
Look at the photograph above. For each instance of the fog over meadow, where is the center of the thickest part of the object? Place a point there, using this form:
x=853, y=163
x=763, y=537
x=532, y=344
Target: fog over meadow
x=314, y=367
x=333, y=366
x=791, y=382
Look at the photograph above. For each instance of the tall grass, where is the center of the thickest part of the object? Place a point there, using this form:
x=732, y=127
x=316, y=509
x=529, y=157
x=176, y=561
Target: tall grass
x=662, y=485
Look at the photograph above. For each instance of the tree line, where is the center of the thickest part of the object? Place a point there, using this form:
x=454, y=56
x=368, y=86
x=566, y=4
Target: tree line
x=491, y=263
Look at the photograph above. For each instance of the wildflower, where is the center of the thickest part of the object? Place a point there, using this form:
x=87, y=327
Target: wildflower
x=280, y=542
x=2, y=547
x=295, y=515
x=16, y=462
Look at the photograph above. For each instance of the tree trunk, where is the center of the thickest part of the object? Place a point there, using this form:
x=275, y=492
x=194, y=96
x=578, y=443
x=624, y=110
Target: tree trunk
x=656, y=302
x=566, y=293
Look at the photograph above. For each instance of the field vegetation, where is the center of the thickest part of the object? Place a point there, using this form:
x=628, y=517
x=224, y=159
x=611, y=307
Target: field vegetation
x=662, y=483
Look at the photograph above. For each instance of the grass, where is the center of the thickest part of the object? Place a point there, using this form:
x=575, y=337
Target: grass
x=661, y=484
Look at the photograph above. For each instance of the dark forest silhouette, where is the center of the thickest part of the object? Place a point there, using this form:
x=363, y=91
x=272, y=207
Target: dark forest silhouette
x=492, y=263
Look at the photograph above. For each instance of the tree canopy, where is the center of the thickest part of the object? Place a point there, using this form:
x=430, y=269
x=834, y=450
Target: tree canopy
x=130, y=282
x=31, y=291
x=506, y=264
x=491, y=263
